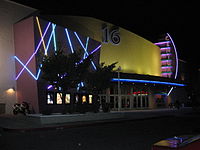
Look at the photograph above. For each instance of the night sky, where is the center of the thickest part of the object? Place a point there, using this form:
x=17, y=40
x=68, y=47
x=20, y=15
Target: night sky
x=149, y=19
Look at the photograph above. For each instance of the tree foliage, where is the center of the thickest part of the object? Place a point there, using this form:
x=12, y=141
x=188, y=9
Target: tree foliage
x=101, y=78
x=69, y=70
x=65, y=71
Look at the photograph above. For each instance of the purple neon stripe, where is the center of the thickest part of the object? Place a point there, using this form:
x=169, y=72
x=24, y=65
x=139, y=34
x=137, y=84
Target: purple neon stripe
x=166, y=54
x=161, y=43
x=93, y=51
x=165, y=48
x=50, y=86
x=39, y=70
x=165, y=67
x=35, y=51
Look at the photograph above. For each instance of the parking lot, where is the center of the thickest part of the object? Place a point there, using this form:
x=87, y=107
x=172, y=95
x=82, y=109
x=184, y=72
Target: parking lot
x=130, y=134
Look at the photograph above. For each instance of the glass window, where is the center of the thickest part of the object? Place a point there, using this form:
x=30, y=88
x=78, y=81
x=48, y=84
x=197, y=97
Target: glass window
x=67, y=99
x=90, y=99
x=83, y=99
x=59, y=98
x=50, y=98
x=76, y=99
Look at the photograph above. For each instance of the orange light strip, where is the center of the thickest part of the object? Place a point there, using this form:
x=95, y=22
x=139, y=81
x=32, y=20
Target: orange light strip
x=40, y=31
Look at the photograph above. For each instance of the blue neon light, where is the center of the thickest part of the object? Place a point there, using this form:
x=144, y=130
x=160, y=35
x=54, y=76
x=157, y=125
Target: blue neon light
x=54, y=36
x=49, y=41
x=69, y=40
x=147, y=81
x=34, y=52
x=85, y=48
x=35, y=77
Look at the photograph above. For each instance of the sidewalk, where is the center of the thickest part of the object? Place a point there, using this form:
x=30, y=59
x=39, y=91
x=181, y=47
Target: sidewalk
x=58, y=121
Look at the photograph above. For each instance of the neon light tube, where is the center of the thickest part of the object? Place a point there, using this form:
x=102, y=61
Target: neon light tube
x=49, y=41
x=161, y=43
x=96, y=49
x=38, y=74
x=25, y=67
x=93, y=51
x=170, y=91
x=34, y=52
x=39, y=70
x=54, y=36
x=165, y=60
x=69, y=40
x=147, y=81
x=81, y=43
x=168, y=54
x=40, y=31
x=49, y=87
x=87, y=41
x=176, y=72
x=35, y=77
x=165, y=48
x=85, y=49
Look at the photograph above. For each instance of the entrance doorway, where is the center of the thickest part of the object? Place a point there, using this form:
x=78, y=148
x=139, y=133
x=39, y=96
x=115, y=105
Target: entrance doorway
x=135, y=101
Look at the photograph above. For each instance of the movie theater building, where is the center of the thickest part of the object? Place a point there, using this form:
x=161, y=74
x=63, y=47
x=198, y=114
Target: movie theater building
x=146, y=72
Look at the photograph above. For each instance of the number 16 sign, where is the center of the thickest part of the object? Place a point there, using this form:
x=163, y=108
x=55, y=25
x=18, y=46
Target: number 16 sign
x=111, y=35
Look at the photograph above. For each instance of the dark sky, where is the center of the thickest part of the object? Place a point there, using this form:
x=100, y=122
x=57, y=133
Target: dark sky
x=148, y=19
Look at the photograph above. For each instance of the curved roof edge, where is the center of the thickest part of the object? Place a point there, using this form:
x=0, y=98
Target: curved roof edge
x=82, y=24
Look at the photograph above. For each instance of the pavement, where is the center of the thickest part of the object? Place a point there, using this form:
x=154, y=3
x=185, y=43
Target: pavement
x=33, y=121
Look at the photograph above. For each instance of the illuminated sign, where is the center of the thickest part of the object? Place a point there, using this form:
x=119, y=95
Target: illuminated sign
x=111, y=35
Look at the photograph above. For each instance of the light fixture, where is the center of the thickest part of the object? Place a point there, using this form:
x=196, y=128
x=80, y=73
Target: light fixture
x=147, y=81
x=10, y=90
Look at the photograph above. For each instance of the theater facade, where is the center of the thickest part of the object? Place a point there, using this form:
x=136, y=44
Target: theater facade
x=146, y=72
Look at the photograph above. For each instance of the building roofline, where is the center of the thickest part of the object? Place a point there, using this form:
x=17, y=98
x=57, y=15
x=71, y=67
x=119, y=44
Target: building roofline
x=21, y=5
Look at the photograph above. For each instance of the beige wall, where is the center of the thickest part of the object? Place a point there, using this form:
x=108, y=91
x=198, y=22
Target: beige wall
x=10, y=13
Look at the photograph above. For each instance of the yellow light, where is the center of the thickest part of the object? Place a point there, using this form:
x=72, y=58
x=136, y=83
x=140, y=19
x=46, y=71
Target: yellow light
x=90, y=99
x=40, y=31
x=10, y=91
x=83, y=99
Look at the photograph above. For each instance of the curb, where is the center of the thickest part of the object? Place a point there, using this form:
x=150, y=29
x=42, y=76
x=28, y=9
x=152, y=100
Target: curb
x=80, y=124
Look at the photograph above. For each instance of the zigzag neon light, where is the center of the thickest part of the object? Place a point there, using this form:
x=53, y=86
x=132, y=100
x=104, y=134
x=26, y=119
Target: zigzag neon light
x=25, y=67
x=87, y=54
x=93, y=51
x=34, y=52
x=35, y=77
x=49, y=41
x=46, y=50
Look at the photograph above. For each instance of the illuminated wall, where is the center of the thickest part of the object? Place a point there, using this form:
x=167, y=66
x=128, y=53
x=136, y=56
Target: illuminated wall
x=10, y=13
x=34, y=36
x=134, y=54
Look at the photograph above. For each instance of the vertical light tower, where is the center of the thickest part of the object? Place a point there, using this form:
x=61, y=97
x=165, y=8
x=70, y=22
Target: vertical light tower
x=169, y=58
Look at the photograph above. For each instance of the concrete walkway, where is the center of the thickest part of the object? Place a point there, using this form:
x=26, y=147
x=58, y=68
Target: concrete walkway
x=58, y=121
